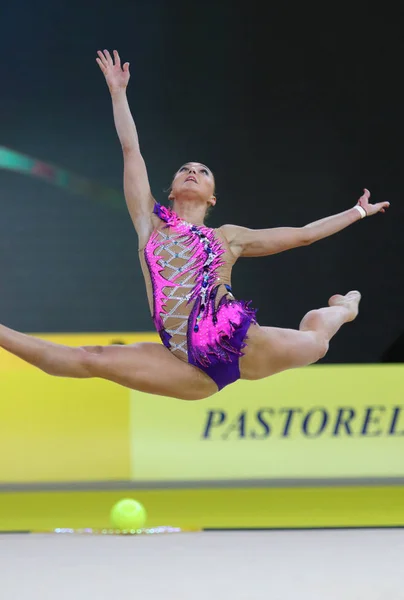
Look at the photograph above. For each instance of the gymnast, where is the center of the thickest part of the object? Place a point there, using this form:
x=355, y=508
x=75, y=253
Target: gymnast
x=209, y=339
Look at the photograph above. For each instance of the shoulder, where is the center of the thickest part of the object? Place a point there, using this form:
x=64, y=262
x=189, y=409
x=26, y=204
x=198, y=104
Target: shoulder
x=233, y=234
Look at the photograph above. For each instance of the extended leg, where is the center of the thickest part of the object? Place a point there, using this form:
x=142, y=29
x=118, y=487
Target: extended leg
x=271, y=350
x=145, y=367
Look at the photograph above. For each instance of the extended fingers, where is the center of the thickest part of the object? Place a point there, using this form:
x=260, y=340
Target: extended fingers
x=105, y=60
x=108, y=58
x=101, y=65
x=381, y=206
x=102, y=58
x=117, y=58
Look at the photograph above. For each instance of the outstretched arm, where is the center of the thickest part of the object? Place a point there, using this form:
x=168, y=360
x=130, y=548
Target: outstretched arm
x=138, y=195
x=262, y=242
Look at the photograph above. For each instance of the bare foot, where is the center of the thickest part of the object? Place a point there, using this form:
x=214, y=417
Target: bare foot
x=350, y=301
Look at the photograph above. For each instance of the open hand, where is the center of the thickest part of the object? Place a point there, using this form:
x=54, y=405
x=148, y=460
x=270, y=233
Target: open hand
x=117, y=77
x=371, y=209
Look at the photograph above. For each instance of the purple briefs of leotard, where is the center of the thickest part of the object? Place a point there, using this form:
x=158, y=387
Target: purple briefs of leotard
x=212, y=336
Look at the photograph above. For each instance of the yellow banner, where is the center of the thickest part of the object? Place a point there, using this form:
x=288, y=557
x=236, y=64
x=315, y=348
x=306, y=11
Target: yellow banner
x=315, y=422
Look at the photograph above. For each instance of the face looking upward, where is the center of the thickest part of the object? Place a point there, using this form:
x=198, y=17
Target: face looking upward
x=194, y=181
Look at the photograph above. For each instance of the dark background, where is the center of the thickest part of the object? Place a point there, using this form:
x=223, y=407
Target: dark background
x=295, y=112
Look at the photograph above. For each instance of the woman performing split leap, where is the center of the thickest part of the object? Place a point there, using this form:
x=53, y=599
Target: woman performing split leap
x=210, y=339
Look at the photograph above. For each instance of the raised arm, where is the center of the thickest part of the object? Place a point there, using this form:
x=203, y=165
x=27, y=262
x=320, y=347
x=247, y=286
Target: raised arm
x=262, y=242
x=138, y=195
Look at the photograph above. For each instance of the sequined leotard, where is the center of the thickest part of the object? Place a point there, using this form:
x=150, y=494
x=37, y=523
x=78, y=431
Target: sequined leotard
x=193, y=308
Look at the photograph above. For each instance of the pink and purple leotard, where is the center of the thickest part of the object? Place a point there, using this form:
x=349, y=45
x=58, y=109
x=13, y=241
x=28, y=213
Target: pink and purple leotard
x=194, y=310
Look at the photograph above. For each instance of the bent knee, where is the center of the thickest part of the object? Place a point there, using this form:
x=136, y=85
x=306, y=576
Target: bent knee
x=320, y=348
x=91, y=358
x=313, y=347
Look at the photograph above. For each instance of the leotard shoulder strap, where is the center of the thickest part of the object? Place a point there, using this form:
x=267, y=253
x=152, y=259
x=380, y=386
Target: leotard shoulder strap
x=166, y=214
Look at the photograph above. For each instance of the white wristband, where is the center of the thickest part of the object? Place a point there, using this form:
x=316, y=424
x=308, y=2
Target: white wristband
x=361, y=211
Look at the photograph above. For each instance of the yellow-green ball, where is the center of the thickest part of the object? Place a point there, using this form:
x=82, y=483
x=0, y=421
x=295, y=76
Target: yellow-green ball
x=128, y=514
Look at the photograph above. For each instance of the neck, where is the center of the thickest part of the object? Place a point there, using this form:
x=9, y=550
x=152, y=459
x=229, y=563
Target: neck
x=191, y=212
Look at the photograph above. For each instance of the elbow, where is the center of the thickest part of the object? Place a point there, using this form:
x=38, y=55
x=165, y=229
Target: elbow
x=306, y=236
x=129, y=147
